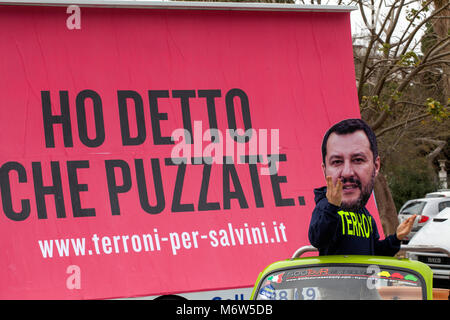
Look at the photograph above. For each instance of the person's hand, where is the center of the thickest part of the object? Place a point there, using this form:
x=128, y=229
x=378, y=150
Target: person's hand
x=405, y=227
x=334, y=192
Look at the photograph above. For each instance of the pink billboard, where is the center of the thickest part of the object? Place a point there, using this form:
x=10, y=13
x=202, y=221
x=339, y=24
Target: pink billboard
x=155, y=151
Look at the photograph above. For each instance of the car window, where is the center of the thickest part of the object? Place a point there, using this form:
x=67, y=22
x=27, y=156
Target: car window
x=342, y=282
x=414, y=208
x=443, y=205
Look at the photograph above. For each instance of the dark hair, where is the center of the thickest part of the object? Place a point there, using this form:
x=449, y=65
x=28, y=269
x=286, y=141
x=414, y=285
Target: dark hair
x=349, y=126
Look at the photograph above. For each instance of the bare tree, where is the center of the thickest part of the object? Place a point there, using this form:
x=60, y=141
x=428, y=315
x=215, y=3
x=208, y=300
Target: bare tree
x=399, y=85
x=402, y=89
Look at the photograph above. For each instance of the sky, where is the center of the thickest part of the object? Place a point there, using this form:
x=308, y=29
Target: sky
x=357, y=22
x=358, y=26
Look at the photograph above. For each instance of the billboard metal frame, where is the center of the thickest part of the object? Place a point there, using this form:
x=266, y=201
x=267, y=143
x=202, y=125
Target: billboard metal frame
x=240, y=6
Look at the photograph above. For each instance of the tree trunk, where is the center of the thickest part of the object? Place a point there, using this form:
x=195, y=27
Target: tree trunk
x=441, y=26
x=386, y=206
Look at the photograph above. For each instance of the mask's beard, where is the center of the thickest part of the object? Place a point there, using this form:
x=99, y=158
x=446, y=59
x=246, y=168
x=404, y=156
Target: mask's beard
x=365, y=193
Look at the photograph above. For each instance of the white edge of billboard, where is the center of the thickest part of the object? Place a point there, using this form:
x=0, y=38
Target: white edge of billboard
x=244, y=6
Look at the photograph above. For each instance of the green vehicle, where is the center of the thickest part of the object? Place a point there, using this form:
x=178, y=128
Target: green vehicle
x=346, y=277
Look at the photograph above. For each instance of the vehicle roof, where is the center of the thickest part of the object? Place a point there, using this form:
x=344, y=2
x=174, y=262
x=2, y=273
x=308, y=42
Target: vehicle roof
x=438, y=194
x=348, y=259
x=434, y=199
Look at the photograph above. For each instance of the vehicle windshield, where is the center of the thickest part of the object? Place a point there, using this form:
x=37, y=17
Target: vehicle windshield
x=413, y=208
x=342, y=282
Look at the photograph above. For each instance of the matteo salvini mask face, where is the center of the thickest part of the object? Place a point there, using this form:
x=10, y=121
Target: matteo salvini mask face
x=350, y=159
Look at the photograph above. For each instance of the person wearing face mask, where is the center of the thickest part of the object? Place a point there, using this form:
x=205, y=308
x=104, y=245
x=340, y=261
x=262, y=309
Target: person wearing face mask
x=340, y=222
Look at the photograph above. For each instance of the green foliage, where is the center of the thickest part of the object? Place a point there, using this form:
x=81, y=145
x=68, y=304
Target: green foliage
x=409, y=59
x=438, y=111
x=411, y=14
x=396, y=95
x=429, y=38
x=385, y=48
x=410, y=180
x=379, y=104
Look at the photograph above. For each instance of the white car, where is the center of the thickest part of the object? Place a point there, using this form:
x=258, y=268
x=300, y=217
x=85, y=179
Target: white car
x=425, y=209
x=435, y=234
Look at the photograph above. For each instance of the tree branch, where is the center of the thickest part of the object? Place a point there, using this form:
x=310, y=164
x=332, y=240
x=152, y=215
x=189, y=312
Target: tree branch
x=409, y=25
x=439, y=143
x=403, y=123
x=413, y=33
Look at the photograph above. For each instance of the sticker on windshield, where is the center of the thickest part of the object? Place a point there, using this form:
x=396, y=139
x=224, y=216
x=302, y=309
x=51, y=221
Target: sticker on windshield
x=384, y=274
x=411, y=278
x=311, y=293
x=397, y=276
x=278, y=278
x=267, y=293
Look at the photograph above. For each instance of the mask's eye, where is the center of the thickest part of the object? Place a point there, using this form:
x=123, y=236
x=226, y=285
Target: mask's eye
x=336, y=162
